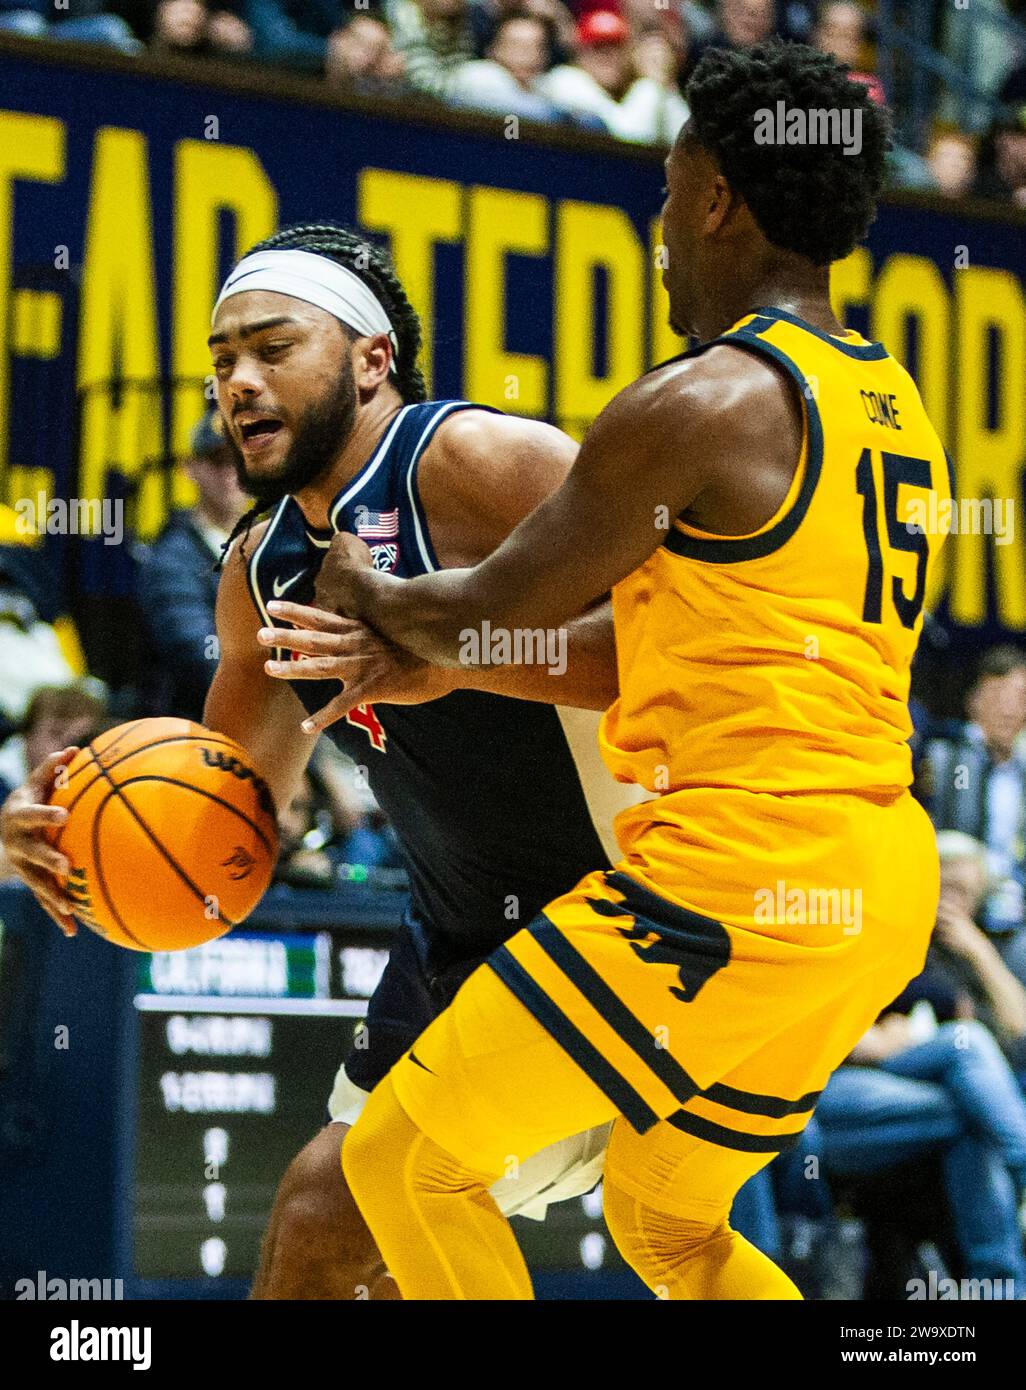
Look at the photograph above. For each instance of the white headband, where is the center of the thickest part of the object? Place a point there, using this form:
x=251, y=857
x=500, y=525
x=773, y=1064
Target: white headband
x=316, y=280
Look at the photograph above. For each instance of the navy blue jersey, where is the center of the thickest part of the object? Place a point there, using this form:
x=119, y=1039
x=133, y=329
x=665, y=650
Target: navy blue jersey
x=499, y=805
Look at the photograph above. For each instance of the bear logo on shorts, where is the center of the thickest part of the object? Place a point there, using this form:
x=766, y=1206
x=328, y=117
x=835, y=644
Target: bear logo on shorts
x=698, y=946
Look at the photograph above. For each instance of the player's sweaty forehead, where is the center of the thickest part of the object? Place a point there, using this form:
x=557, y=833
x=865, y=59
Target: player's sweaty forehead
x=244, y=316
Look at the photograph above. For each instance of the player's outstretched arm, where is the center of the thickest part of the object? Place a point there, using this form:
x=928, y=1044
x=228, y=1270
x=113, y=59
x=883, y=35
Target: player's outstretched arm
x=243, y=702
x=716, y=436
x=642, y=463
x=578, y=669
x=480, y=476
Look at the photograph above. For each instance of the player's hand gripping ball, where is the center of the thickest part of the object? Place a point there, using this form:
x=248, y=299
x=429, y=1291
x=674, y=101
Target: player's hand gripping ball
x=171, y=835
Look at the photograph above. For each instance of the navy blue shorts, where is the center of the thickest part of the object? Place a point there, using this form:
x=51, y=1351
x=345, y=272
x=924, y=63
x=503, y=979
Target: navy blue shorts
x=417, y=984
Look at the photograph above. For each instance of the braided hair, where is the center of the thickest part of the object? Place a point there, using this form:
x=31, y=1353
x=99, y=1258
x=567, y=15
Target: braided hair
x=375, y=269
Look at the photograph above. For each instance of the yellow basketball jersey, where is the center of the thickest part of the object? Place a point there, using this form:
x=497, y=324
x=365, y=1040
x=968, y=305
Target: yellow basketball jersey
x=781, y=887
x=779, y=661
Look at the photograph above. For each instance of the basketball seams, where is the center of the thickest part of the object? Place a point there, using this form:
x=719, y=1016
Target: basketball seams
x=101, y=881
x=94, y=761
x=166, y=855
x=201, y=791
x=155, y=743
x=120, y=730
x=117, y=789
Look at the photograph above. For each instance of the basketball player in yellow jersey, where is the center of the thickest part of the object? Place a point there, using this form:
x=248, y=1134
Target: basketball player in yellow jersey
x=753, y=505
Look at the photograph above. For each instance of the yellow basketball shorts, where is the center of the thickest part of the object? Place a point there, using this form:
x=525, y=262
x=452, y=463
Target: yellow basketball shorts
x=622, y=999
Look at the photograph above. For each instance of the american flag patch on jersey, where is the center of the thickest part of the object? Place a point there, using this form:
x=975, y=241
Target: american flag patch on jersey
x=376, y=525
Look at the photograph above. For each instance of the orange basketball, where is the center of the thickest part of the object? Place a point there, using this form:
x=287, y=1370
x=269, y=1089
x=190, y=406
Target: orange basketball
x=171, y=835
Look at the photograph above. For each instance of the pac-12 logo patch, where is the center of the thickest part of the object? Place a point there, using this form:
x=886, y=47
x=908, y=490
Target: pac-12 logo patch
x=385, y=557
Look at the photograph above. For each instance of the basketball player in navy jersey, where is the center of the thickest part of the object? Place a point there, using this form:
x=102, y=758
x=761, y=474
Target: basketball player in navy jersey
x=490, y=775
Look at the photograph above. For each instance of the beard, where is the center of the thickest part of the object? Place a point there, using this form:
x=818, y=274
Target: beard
x=319, y=434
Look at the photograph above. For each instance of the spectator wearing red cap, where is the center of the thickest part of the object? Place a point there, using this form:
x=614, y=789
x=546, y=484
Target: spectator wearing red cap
x=602, y=27
x=631, y=86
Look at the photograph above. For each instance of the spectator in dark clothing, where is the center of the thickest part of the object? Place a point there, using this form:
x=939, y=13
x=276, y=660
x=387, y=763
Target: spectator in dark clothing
x=952, y=1098
x=963, y=960
x=739, y=24
x=178, y=585
x=1001, y=174
x=361, y=57
x=325, y=831
x=194, y=27
x=81, y=21
x=486, y=16
x=974, y=780
x=295, y=33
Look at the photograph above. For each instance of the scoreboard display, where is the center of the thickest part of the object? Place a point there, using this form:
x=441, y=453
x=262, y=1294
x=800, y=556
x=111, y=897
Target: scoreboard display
x=238, y=1042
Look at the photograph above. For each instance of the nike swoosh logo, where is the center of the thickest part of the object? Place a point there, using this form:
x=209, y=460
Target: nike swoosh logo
x=277, y=588
x=418, y=1063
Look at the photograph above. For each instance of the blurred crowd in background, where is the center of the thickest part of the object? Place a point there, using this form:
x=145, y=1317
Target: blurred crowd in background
x=616, y=66
x=918, y=1144
x=920, y=1138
